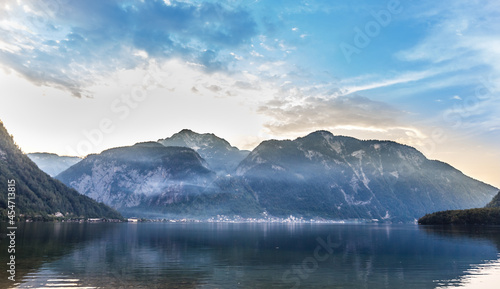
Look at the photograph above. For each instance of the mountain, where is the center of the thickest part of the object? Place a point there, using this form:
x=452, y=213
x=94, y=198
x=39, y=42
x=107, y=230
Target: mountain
x=219, y=154
x=342, y=177
x=53, y=164
x=36, y=192
x=489, y=215
x=149, y=179
x=319, y=175
x=495, y=203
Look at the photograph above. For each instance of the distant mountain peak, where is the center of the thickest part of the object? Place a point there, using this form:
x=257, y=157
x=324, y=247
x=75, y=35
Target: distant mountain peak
x=323, y=133
x=44, y=154
x=189, y=135
x=186, y=131
x=328, y=136
x=217, y=152
x=53, y=164
x=148, y=144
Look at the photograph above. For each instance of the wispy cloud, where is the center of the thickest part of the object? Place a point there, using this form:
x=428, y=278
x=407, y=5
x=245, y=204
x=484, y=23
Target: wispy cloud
x=464, y=34
x=459, y=28
x=71, y=44
x=358, y=84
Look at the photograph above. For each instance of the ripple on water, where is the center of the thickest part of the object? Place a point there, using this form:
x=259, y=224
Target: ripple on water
x=485, y=276
x=42, y=280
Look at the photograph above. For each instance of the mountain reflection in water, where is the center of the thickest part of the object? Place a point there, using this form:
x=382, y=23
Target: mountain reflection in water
x=220, y=255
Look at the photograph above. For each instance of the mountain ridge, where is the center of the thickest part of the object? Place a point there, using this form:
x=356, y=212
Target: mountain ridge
x=37, y=194
x=488, y=215
x=318, y=175
x=149, y=179
x=348, y=174
x=495, y=202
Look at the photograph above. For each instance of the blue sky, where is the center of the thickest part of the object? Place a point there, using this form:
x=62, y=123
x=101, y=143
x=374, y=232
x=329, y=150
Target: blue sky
x=82, y=76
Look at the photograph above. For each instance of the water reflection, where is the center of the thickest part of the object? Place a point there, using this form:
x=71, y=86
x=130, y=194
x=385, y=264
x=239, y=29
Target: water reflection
x=484, y=276
x=247, y=256
x=40, y=243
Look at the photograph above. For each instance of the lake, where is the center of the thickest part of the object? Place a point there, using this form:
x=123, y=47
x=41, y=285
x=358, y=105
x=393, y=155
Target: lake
x=251, y=255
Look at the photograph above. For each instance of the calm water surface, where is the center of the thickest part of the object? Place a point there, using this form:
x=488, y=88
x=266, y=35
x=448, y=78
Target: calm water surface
x=163, y=255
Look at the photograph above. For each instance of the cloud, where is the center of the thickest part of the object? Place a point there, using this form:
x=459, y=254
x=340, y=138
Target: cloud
x=468, y=115
x=70, y=45
x=463, y=35
x=303, y=115
x=246, y=85
x=213, y=88
x=372, y=82
x=455, y=30
x=463, y=39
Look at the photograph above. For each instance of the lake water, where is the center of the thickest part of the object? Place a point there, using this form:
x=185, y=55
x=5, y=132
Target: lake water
x=221, y=255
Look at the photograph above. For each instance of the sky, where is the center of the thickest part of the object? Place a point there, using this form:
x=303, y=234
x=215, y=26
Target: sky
x=79, y=77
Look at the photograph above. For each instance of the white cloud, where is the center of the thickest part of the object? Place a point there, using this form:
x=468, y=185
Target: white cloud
x=291, y=112
x=463, y=43
x=463, y=32
x=141, y=53
x=170, y=104
x=53, y=37
x=357, y=84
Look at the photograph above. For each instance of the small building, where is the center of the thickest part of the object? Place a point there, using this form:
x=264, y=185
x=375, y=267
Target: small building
x=94, y=220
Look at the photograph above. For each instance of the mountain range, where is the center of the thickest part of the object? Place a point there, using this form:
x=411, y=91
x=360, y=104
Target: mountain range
x=36, y=193
x=151, y=180
x=316, y=176
x=53, y=164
